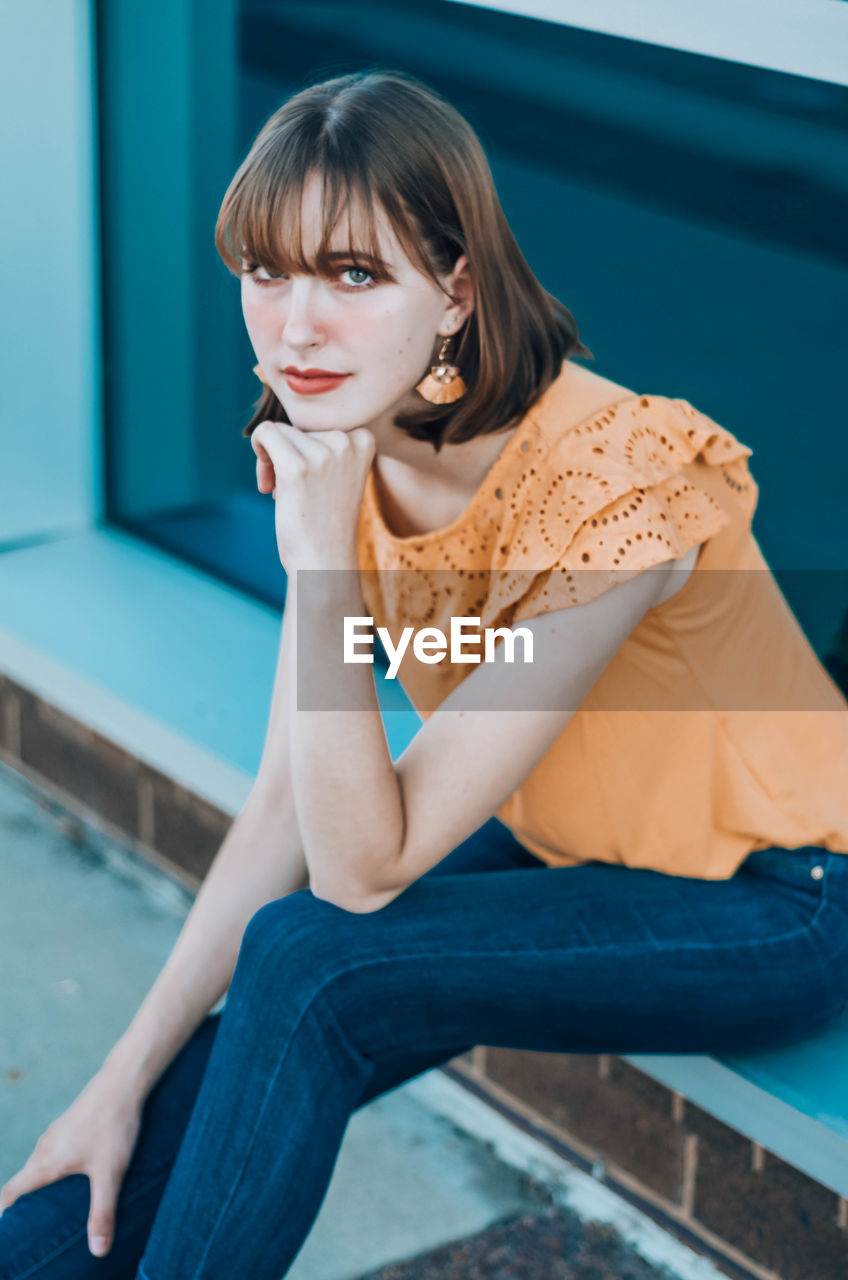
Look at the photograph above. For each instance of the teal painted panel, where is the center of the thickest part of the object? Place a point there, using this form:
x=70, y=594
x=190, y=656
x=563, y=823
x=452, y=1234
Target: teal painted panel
x=49, y=323
x=811, y=1076
x=187, y=650
x=174, y=334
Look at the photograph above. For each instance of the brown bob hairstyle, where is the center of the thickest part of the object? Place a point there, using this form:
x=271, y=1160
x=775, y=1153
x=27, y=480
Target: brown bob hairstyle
x=384, y=138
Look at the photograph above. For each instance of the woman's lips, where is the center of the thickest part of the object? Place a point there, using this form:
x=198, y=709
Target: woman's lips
x=313, y=386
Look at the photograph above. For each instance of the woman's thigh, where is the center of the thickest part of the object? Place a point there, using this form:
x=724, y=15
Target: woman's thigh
x=591, y=958
x=44, y=1233
x=491, y=847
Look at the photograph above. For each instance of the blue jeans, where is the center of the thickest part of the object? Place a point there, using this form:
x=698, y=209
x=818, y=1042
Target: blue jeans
x=328, y=1009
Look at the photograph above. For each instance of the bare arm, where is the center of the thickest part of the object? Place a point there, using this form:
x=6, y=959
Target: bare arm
x=260, y=859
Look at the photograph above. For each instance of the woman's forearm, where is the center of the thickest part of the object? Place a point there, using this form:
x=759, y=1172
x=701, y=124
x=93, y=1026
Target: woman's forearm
x=347, y=796
x=260, y=859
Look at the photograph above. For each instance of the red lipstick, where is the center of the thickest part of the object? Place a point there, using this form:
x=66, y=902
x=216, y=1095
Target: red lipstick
x=310, y=382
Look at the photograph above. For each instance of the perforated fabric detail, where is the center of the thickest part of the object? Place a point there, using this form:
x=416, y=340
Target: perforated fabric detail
x=563, y=518
x=624, y=493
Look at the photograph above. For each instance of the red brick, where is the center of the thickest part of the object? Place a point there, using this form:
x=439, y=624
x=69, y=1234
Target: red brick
x=627, y=1120
x=777, y=1216
x=186, y=830
x=81, y=762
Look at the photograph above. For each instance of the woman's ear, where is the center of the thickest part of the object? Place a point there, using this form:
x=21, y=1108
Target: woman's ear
x=460, y=286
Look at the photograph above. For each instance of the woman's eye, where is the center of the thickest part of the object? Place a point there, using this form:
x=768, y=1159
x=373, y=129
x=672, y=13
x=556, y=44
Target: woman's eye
x=361, y=279
x=262, y=273
x=257, y=272
x=359, y=271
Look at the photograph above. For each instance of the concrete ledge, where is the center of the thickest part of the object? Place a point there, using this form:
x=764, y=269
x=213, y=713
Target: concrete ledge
x=161, y=659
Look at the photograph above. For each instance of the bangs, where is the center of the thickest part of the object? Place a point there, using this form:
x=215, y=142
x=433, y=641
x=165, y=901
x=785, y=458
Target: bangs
x=261, y=225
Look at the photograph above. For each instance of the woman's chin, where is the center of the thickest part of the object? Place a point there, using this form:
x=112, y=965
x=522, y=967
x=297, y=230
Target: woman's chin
x=316, y=428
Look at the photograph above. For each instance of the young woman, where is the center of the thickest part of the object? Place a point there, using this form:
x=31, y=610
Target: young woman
x=633, y=843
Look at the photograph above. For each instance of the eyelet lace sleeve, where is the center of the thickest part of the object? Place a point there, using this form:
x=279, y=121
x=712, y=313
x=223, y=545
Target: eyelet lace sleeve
x=616, y=496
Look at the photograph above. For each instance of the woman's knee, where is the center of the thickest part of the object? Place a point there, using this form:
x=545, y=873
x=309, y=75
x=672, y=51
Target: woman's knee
x=43, y=1233
x=289, y=938
x=302, y=952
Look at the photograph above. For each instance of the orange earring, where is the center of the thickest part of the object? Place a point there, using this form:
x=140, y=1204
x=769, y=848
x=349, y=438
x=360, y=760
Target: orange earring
x=443, y=383
x=257, y=369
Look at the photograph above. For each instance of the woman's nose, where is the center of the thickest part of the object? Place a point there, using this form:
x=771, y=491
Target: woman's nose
x=302, y=324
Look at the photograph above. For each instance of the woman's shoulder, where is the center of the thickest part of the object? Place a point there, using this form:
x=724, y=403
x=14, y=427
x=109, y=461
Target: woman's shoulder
x=575, y=396
x=596, y=423
x=592, y=390
x=619, y=481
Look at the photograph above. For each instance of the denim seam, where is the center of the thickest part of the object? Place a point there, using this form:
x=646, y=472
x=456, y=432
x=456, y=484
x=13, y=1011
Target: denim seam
x=724, y=948
x=61, y=1246
x=684, y=949
x=237, y=1177
x=613, y=946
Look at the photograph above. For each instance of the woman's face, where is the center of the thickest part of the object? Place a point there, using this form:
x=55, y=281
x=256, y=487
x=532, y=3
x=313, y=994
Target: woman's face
x=381, y=334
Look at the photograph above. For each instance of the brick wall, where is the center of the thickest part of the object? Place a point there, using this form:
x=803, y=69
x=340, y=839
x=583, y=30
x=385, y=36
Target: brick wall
x=146, y=809
x=723, y=1195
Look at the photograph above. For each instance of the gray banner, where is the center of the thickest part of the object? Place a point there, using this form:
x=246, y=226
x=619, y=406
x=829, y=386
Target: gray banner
x=726, y=640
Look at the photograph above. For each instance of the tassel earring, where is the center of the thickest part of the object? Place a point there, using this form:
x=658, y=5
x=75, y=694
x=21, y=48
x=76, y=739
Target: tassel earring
x=443, y=384
x=257, y=369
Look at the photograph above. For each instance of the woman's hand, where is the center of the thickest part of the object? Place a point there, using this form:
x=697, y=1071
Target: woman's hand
x=318, y=478
x=96, y=1136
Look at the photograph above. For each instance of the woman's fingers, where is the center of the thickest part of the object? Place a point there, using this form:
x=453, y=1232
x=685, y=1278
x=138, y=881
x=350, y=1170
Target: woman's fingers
x=268, y=458
x=34, y=1174
x=105, y=1184
x=278, y=444
x=264, y=467
x=264, y=475
x=10, y=1191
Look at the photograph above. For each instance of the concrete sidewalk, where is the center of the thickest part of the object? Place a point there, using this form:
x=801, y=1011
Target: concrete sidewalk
x=85, y=926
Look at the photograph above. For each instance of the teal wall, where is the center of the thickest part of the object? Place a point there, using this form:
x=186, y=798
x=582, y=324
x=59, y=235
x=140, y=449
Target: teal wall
x=50, y=418
x=168, y=103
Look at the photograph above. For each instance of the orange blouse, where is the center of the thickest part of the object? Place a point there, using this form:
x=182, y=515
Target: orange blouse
x=714, y=730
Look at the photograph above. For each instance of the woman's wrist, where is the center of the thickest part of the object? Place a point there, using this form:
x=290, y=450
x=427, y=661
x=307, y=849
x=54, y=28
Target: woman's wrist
x=131, y=1071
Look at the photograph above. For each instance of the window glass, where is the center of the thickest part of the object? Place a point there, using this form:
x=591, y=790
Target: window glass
x=690, y=211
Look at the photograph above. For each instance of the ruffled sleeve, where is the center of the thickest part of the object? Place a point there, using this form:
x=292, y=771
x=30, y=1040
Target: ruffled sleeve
x=639, y=485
